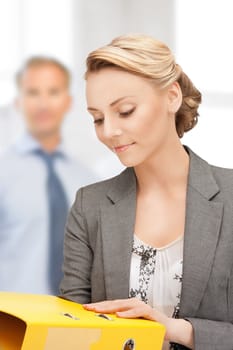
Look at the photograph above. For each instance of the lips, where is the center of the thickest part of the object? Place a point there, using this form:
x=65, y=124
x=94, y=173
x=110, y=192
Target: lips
x=122, y=148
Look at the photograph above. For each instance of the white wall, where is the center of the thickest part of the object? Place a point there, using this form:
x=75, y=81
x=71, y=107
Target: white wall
x=204, y=49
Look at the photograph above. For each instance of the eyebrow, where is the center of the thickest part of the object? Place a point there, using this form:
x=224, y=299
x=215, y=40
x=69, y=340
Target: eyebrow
x=111, y=104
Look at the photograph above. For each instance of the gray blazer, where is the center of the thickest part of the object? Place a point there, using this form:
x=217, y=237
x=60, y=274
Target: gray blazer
x=99, y=238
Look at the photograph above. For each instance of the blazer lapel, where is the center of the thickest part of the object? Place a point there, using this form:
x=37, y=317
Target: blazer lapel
x=202, y=227
x=117, y=227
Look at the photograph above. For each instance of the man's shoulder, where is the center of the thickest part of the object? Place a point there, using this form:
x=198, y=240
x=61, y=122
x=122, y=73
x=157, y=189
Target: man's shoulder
x=100, y=187
x=9, y=156
x=77, y=172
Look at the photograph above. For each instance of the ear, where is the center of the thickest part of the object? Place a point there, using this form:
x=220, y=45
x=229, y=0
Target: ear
x=174, y=95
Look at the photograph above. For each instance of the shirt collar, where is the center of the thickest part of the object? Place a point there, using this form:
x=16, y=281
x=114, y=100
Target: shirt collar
x=26, y=143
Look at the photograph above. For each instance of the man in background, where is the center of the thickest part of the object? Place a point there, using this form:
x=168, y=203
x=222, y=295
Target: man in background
x=38, y=181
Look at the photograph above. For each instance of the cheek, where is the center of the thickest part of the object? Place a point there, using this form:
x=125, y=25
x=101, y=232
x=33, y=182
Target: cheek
x=152, y=125
x=56, y=102
x=99, y=133
x=58, y=106
x=150, y=119
x=27, y=104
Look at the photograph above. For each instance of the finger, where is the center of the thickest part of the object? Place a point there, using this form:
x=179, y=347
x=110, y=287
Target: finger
x=141, y=311
x=131, y=313
x=110, y=306
x=103, y=306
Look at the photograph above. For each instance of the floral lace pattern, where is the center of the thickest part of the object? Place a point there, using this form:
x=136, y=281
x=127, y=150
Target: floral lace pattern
x=147, y=269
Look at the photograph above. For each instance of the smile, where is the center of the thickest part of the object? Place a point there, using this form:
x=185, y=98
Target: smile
x=122, y=148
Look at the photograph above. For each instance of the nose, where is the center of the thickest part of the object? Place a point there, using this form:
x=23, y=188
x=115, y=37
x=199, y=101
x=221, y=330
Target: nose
x=111, y=128
x=43, y=101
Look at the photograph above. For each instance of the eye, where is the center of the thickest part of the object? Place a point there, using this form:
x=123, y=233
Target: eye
x=54, y=92
x=32, y=92
x=127, y=113
x=98, y=121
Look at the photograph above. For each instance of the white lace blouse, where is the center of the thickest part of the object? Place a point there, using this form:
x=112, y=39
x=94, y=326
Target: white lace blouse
x=156, y=275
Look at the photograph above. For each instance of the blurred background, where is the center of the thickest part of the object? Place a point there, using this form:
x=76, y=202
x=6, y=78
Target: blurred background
x=198, y=32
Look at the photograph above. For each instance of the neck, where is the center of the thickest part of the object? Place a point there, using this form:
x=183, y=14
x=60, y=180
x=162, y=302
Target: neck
x=166, y=170
x=48, y=142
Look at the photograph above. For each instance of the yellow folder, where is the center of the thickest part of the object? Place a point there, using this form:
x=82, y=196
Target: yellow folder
x=45, y=322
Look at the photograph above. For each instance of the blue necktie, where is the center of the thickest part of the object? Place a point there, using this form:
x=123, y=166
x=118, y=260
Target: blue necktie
x=58, y=209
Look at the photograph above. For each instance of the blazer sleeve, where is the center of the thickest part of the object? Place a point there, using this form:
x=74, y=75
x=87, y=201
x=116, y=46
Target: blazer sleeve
x=212, y=335
x=78, y=256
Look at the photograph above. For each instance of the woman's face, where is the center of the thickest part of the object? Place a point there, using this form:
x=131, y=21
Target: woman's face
x=131, y=117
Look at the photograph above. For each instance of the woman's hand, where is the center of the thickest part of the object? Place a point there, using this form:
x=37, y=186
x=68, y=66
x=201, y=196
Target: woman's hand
x=128, y=308
x=177, y=330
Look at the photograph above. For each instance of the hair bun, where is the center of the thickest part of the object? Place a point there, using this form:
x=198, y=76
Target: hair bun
x=187, y=115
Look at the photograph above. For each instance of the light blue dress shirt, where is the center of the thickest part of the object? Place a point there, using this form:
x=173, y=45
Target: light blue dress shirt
x=24, y=221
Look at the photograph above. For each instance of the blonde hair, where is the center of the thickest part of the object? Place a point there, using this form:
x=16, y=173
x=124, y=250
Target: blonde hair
x=39, y=61
x=151, y=59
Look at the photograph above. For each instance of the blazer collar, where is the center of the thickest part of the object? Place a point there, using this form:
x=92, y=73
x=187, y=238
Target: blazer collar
x=200, y=178
x=123, y=185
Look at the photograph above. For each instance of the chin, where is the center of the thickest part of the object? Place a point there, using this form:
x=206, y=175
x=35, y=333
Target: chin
x=43, y=133
x=130, y=163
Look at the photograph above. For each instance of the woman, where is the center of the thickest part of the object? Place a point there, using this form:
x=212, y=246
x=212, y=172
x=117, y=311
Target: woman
x=155, y=241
